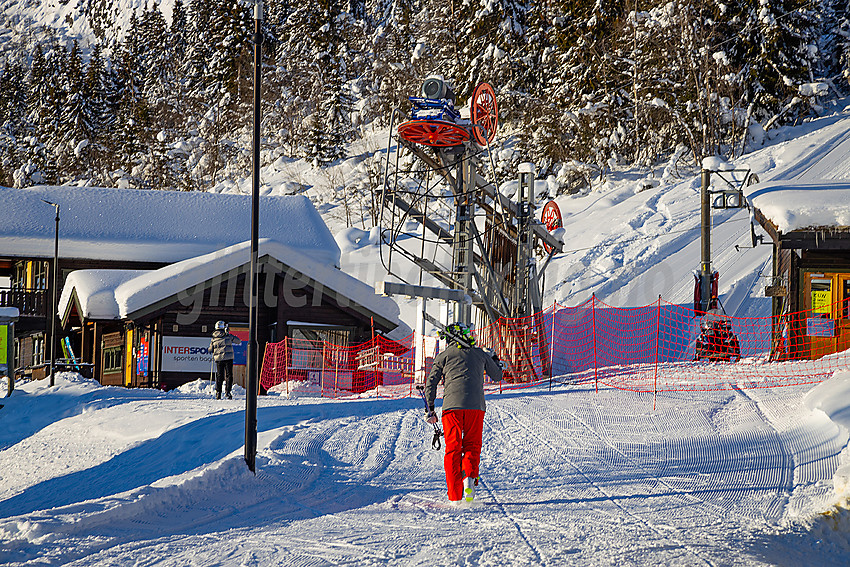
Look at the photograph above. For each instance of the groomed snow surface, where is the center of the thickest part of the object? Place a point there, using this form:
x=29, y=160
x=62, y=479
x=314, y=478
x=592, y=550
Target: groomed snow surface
x=93, y=475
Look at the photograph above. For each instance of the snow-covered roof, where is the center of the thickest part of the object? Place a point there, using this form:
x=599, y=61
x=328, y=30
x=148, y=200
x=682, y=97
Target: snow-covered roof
x=795, y=206
x=96, y=292
x=153, y=226
x=116, y=294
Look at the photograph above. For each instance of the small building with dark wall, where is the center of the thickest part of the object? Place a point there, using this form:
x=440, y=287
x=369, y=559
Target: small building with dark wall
x=152, y=328
x=111, y=232
x=810, y=288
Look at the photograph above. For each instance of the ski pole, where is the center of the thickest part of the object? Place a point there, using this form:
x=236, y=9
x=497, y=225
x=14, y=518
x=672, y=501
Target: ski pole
x=435, y=442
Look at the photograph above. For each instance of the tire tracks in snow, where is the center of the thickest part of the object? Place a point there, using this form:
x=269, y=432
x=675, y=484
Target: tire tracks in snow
x=805, y=164
x=786, y=481
x=515, y=522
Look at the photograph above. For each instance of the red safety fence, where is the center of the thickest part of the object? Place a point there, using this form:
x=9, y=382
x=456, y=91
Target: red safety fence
x=660, y=347
x=380, y=367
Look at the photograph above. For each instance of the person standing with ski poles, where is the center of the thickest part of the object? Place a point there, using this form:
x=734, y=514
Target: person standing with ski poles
x=461, y=367
x=221, y=347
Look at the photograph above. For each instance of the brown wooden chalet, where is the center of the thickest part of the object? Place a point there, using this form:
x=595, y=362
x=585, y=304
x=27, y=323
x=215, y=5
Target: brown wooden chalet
x=152, y=328
x=809, y=225
x=112, y=231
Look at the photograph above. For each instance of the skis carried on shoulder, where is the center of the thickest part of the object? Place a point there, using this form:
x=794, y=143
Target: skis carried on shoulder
x=460, y=335
x=450, y=333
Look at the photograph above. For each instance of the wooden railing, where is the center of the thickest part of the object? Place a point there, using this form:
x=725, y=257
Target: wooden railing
x=30, y=303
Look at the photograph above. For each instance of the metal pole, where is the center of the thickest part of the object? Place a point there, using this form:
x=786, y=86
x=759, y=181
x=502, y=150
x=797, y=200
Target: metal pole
x=53, y=301
x=525, y=240
x=705, y=234
x=462, y=264
x=251, y=382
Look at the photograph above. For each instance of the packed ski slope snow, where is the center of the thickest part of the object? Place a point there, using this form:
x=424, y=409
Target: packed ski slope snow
x=97, y=475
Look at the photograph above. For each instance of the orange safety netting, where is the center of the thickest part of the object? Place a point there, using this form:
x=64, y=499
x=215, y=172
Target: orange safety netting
x=380, y=366
x=660, y=347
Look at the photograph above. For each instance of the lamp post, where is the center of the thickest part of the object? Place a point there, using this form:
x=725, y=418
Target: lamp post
x=252, y=384
x=55, y=284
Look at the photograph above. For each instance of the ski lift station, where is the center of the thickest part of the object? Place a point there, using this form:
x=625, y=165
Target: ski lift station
x=809, y=225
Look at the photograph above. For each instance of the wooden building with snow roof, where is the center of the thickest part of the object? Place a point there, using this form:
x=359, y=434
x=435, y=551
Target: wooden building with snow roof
x=809, y=224
x=141, y=271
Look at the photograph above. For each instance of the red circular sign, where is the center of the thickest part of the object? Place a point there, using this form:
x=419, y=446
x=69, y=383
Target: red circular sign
x=551, y=219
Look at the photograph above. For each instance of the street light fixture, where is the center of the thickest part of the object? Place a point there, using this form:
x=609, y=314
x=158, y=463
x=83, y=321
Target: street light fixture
x=53, y=306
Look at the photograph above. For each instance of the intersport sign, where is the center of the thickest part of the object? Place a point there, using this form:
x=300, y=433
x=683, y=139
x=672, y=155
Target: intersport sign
x=186, y=354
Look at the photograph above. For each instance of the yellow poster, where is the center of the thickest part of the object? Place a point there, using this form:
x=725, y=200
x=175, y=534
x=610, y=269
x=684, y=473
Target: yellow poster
x=4, y=343
x=822, y=301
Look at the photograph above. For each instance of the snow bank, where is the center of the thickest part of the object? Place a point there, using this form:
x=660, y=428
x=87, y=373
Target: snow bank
x=353, y=238
x=833, y=398
x=206, y=388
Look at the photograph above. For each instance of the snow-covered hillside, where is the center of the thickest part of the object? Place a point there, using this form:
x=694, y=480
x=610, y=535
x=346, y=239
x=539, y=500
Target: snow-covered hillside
x=633, y=236
x=97, y=475
x=84, y=20
x=93, y=475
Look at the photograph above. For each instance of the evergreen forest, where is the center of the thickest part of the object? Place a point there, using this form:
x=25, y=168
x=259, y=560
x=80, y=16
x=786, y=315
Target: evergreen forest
x=583, y=85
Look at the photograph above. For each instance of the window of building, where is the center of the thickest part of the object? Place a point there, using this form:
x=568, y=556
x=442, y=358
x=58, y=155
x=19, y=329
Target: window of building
x=845, y=299
x=19, y=279
x=112, y=359
x=38, y=349
x=821, y=300
x=39, y=275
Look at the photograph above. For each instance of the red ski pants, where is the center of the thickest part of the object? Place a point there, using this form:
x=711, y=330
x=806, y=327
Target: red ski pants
x=463, y=429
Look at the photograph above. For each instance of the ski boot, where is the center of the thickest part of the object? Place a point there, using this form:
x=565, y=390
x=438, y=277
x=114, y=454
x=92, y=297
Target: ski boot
x=228, y=395
x=469, y=485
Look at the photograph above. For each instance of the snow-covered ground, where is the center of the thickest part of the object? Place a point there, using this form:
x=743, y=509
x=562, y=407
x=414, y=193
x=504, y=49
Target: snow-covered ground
x=97, y=475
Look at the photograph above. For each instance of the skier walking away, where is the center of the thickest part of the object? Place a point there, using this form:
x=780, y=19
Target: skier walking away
x=461, y=367
x=222, y=350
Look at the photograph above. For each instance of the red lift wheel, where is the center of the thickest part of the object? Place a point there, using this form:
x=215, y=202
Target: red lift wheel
x=484, y=113
x=433, y=133
x=551, y=219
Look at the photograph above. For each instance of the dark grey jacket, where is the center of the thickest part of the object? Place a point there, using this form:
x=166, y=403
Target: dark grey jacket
x=222, y=345
x=462, y=370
